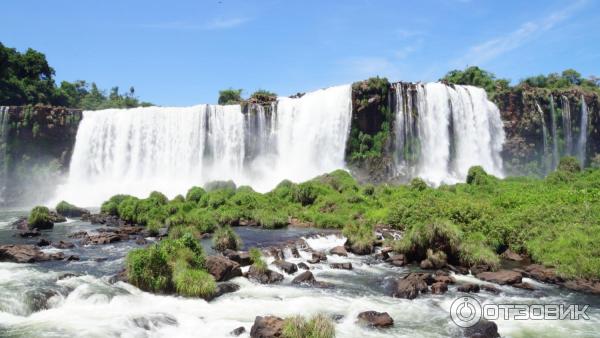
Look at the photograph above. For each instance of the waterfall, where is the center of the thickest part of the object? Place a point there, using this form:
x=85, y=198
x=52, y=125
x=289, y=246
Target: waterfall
x=4, y=117
x=405, y=129
x=566, y=118
x=581, y=145
x=554, y=134
x=457, y=128
x=544, y=136
x=136, y=151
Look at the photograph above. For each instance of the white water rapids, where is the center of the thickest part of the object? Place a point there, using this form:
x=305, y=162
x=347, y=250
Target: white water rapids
x=442, y=131
x=139, y=150
x=88, y=306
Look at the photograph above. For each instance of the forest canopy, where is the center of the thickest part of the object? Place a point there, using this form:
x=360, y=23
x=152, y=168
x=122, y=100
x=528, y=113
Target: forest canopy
x=27, y=79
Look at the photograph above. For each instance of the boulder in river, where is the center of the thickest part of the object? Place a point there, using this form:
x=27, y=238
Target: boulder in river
x=25, y=253
x=63, y=245
x=223, y=288
x=375, y=319
x=264, y=276
x=583, y=285
x=30, y=233
x=42, y=242
x=303, y=266
x=69, y=210
x=238, y=331
x=242, y=258
x=267, y=327
x=410, y=286
x=542, y=273
x=483, y=329
x=397, y=260
x=468, y=288
x=222, y=268
x=342, y=266
x=439, y=288
x=502, y=277
x=285, y=266
x=339, y=250
x=307, y=278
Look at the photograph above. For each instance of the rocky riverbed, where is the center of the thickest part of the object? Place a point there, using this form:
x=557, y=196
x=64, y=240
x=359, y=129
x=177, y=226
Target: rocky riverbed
x=69, y=284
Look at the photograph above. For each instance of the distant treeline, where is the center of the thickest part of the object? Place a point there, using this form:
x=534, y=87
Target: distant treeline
x=27, y=79
x=476, y=76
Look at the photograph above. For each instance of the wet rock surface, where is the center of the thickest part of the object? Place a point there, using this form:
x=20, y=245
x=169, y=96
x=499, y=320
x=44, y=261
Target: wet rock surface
x=375, y=319
x=267, y=327
x=24, y=253
x=222, y=268
x=502, y=277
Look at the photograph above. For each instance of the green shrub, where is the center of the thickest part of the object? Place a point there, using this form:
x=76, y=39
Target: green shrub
x=111, y=206
x=360, y=236
x=39, y=217
x=569, y=164
x=270, y=218
x=194, y=283
x=257, y=260
x=418, y=184
x=195, y=194
x=306, y=193
x=477, y=176
x=318, y=326
x=202, y=219
x=474, y=251
x=225, y=238
x=148, y=269
x=69, y=210
x=439, y=236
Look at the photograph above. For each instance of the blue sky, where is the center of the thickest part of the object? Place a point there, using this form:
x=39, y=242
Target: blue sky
x=183, y=52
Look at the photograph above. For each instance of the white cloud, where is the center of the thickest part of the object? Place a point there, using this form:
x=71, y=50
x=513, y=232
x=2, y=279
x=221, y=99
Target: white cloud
x=225, y=23
x=528, y=31
x=215, y=24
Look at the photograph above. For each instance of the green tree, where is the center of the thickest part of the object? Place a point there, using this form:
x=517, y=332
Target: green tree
x=230, y=96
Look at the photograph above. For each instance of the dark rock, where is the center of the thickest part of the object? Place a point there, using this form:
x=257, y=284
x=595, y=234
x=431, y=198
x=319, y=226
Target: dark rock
x=73, y=258
x=410, y=286
x=426, y=264
x=304, y=278
x=339, y=250
x=295, y=252
x=501, y=277
x=359, y=249
x=483, y=329
x=42, y=242
x=277, y=253
x=242, y=258
x=319, y=256
x=29, y=233
x=524, y=286
x=303, y=266
x=63, y=245
x=444, y=279
x=461, y=270
x=121, y=276
x=287, y=267
x=264, y=277
x=342, y=266
x=103, y=238
x=67, y=275
x=313, y=261
x=73, y=211
x=397, y=260
x=543, y=274
x=238, y=331
x=477, y=269
x=267, y=327
x=25, y=253
x=375, y=319
x=490, y=289
x=222, y=268
x=511, y=256
x=583, y=285
x=468, y=288
x=439, y=288
x=223, y=288
x=20, y=223
x=79, y=235
x=56, y=218
x=141, y=241
x=104, y=219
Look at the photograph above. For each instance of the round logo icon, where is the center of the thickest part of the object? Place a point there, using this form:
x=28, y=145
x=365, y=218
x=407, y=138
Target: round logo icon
x=465, y=311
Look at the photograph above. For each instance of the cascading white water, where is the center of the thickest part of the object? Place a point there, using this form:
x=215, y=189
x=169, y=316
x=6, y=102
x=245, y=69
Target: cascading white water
x=554, y=134
x=544, y=136
x=457, y=128
x=139, y=150
x=3, y=137
x=582, y=144
x=567, y=129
